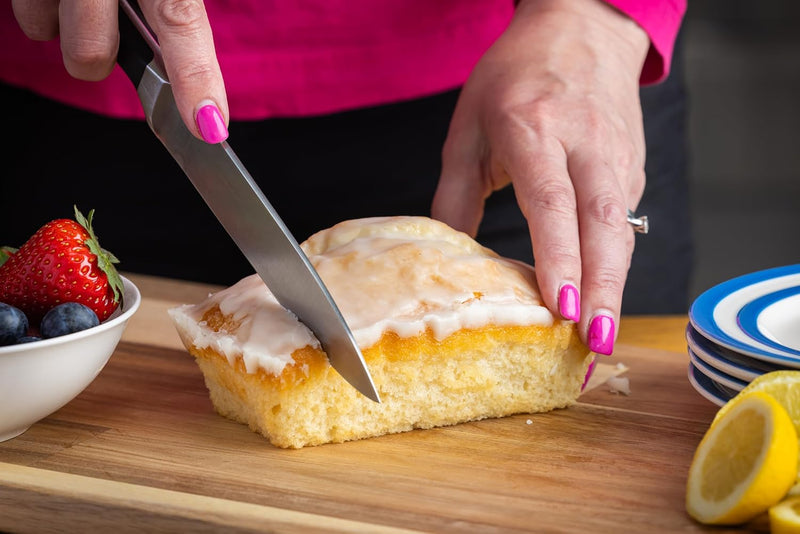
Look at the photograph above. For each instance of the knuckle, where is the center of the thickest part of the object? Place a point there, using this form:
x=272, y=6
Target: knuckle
x=554, y=196
x=607, y=280
x=607, y=209
x=562, y=255
x=195, y=72
x=181, y=14
x=595, y=127
x=89, y=59
x=540, y=110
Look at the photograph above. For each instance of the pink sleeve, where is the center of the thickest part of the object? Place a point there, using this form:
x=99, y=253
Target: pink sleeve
x=661, y=19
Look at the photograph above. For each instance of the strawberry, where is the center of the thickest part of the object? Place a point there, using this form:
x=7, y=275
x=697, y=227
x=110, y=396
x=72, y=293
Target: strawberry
x=61, y=262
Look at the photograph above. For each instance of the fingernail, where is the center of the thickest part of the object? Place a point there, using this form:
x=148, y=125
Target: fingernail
x=569, y=304
x=589, y=373
x=601, y=334
x=211, y=124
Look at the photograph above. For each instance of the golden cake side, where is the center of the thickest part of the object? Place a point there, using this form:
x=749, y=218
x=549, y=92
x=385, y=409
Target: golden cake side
x=423, y=382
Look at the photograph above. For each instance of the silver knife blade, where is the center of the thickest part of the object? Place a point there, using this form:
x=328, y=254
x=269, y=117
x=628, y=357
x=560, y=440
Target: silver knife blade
x=251, y=221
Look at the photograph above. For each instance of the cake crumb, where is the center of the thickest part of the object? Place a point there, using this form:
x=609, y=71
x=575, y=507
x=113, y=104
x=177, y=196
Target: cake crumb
x=619, y=384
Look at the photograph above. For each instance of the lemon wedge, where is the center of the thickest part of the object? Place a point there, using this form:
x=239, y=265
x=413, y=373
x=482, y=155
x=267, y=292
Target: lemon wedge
x=745, y=463
x=784, y=517
x=784, y=387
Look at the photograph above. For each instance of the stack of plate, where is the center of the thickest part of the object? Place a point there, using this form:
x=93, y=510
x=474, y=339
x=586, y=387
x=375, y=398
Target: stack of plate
x=743, y=328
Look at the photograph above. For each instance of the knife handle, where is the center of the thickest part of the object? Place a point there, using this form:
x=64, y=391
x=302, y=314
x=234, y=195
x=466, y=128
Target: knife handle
x=137, y=43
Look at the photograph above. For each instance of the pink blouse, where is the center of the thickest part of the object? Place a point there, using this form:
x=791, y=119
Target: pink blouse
x=288, y=58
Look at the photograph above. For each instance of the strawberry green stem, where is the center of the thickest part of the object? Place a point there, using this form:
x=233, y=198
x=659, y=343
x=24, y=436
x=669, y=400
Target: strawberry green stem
x=105, y=259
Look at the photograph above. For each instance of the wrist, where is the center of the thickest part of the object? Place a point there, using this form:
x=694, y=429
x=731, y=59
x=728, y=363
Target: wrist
x=594, y=20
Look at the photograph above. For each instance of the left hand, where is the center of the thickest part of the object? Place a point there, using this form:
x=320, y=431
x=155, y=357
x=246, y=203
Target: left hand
x=553, y=107
x=89, y=36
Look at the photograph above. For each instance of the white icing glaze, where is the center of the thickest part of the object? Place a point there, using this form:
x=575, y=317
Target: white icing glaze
x=400, y=274
x=267, y=335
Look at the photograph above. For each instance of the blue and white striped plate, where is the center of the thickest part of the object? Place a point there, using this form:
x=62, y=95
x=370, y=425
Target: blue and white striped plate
x=728, y=361
x=715, y=314
x=708, y=388
x=723, y=379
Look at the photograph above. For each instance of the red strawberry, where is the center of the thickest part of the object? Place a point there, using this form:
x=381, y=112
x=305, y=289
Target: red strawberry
x=61, y=262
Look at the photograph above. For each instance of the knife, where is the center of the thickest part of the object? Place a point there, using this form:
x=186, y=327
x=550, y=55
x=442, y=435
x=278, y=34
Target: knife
x=239, y=204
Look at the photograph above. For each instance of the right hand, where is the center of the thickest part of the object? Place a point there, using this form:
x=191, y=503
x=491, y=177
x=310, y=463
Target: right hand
x=88, y=30
x=553, y=107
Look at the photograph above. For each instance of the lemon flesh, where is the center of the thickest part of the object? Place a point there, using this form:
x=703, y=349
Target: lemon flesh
x=745, y=463
x=784, y=518
x=783, y=386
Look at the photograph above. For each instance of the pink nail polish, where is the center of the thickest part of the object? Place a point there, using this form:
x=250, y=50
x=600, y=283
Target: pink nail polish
x=601, y=334
x=569, y=303
x=589, y=373
x=211, y=125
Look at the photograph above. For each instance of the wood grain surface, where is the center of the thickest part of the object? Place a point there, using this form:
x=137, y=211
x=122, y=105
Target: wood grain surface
x=142, y=450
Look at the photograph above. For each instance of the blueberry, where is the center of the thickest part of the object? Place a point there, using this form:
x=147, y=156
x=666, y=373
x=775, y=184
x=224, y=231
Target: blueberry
x=27, y=339
x=67, y=318
x=13, y=324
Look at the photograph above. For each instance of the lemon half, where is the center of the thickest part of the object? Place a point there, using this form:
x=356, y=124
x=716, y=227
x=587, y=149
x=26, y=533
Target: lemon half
x=745, y=463
x=784, y=387
x=784, y=518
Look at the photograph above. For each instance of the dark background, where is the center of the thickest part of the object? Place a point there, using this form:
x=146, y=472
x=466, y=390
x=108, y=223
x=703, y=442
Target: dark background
x=742, y=68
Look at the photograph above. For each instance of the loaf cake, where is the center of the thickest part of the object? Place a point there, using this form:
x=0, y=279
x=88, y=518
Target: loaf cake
x=450, y=331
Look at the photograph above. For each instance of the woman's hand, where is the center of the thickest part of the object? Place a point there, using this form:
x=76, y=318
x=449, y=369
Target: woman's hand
x=89, y=34
x=553, y=107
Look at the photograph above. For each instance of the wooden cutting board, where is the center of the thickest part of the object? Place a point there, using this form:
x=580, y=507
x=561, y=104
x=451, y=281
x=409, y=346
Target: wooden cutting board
x=142, y=450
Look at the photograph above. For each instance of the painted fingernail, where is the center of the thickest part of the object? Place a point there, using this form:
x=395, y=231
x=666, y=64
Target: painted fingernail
x=569, y=303
x=601, y=334
x=589, y=373
x=211, y=124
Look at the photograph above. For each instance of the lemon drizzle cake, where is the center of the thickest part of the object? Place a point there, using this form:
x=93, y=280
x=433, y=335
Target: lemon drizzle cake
x=451, y=332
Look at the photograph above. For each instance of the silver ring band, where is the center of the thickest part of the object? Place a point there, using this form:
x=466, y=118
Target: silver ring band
x=640, y=224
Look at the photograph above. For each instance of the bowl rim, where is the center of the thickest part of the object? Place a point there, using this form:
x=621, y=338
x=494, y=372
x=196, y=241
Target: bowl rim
x=129, y=307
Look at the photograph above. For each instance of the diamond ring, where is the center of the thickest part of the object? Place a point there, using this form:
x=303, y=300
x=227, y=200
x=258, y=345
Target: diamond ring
x=640, y=224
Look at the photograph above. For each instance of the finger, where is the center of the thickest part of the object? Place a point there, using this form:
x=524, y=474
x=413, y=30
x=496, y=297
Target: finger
x=187, y=46
x=547, y=199
x=606, y=245
x=89, y=37
x=38, y=19
x=461, y=192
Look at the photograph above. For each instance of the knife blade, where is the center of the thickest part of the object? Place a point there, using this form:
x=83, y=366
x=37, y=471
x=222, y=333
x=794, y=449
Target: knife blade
x=239, y=204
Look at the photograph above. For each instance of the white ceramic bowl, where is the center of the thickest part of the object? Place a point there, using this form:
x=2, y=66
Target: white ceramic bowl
x=38, y=378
